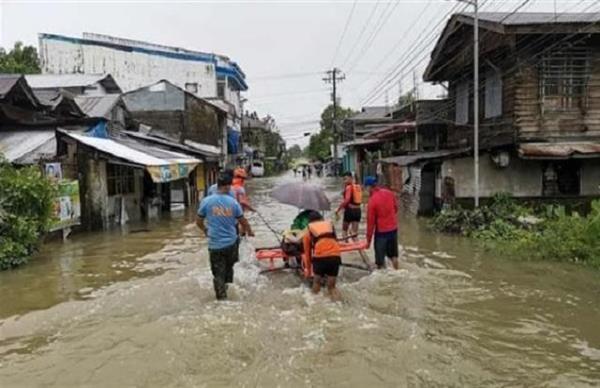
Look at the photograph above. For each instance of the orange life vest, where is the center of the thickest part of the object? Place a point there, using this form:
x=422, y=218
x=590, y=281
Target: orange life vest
x=356, y=193
x=323, y=238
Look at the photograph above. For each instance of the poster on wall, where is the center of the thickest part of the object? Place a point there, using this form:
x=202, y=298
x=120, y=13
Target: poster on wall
x=168, y=173
x=67, y=207
x=53, y=171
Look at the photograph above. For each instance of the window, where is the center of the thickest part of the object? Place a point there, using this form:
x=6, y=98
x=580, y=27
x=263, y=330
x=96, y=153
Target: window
x=563, y=78
x=221, y=85
x=561, y=178
x=493, y=94
x=191, y=87
x=120, y=179
x=462, y=103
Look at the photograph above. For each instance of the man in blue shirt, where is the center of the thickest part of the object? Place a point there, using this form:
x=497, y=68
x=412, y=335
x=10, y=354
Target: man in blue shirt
x=218, y=216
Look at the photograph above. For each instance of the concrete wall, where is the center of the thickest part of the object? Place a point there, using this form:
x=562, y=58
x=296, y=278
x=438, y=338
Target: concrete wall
x=522, y=178
x=130, y=69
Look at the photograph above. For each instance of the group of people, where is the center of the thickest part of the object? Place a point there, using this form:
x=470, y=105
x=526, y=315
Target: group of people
x=312, y=240
x=320, y=248
x=307, y=170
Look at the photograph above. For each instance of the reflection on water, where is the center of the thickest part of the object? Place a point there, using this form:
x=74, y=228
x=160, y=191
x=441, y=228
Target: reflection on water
x=137, y=309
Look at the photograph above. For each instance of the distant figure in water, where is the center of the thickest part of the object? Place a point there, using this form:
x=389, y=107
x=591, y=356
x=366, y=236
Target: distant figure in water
x=218, y=217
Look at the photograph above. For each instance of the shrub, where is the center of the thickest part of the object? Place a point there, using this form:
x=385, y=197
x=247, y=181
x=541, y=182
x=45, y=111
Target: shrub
x=556, y=234
x=26, y=199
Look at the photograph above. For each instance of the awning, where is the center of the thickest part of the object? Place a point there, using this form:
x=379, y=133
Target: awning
x=27, y=146
x=406, y=160
x=559, y=150
x=162, y=165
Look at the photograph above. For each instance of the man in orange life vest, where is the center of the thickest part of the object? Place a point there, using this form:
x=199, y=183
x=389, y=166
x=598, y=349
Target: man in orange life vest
x=239, y=179
x=352, y=198
x=322, y=250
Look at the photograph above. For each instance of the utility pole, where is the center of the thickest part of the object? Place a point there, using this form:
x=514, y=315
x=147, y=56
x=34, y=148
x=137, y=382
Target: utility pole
x=475, y=4
x=476, y=100
x=333, y=76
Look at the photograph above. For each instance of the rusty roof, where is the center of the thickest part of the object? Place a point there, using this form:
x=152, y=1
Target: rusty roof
x=559, y=150
x=391, y=130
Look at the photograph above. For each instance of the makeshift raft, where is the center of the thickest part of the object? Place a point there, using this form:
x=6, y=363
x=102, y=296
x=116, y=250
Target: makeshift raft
x=275, y=253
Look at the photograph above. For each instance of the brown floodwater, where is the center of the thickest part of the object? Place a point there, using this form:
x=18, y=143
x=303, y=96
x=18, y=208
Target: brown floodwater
x=135, y=308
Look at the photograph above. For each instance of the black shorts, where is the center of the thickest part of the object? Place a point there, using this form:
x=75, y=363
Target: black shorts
x=386, y=244
x=327, y=266
x=352, y=214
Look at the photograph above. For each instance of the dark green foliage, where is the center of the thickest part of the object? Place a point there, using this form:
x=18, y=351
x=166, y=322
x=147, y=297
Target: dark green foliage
x=20, y=60
x=546, y=233
x=295, y=152
x=320, y=143
x=26, y=199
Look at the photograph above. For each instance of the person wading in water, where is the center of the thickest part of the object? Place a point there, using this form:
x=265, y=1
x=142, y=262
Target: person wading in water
x=382, y=222
x=218, y=217
x=352, y=199
x=322, y=250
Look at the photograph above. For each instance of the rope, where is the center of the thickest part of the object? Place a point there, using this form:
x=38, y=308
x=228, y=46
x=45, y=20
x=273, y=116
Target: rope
x=275, y=232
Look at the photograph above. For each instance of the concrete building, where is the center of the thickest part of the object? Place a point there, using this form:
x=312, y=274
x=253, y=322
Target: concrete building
x=136, y=64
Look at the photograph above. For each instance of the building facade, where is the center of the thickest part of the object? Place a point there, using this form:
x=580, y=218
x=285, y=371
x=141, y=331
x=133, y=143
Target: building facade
x=136, y=64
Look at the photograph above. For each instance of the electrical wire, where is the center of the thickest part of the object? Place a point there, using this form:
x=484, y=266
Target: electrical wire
x=339, y=45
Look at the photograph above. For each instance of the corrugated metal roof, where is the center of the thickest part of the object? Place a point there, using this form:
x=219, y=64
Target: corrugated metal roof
x=210, y=149
x=98, y=106
x=397, y=128
x=150, y=156
x=405, y=160
x=15, y=145
x=530, y=18
x=372, y=112
x=559, y=150
x=46, y=81
x=7, y=82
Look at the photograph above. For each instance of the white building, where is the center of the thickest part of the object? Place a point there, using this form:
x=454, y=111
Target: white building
x=135, y=64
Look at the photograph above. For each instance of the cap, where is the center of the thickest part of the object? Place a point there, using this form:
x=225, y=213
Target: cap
x=370, y=181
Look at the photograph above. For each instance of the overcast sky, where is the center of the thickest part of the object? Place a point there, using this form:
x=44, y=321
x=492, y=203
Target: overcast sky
x=283, y=47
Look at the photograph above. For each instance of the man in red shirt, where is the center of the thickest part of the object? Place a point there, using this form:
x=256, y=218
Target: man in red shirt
x=382, y=222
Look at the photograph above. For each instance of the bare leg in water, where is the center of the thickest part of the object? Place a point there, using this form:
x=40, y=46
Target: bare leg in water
x=334, y=293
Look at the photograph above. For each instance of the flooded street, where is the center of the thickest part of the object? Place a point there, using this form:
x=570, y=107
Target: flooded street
x=136, y=308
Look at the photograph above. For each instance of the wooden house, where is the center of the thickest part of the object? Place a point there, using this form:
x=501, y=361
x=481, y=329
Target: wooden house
x=539, y=99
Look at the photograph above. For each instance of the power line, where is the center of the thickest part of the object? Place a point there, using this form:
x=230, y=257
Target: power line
x=378, y=27
x=534, y=45
x=416, y=48
x=339, y=45
x=362, y=32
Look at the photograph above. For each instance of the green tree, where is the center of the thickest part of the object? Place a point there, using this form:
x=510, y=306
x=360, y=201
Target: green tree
x=26, y=199
x=320, y=143
x=20, y=60
x=295, y=152
x=406, y=98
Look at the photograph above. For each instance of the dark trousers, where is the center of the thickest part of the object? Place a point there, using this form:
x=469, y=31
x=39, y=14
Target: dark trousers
x=221, y=266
